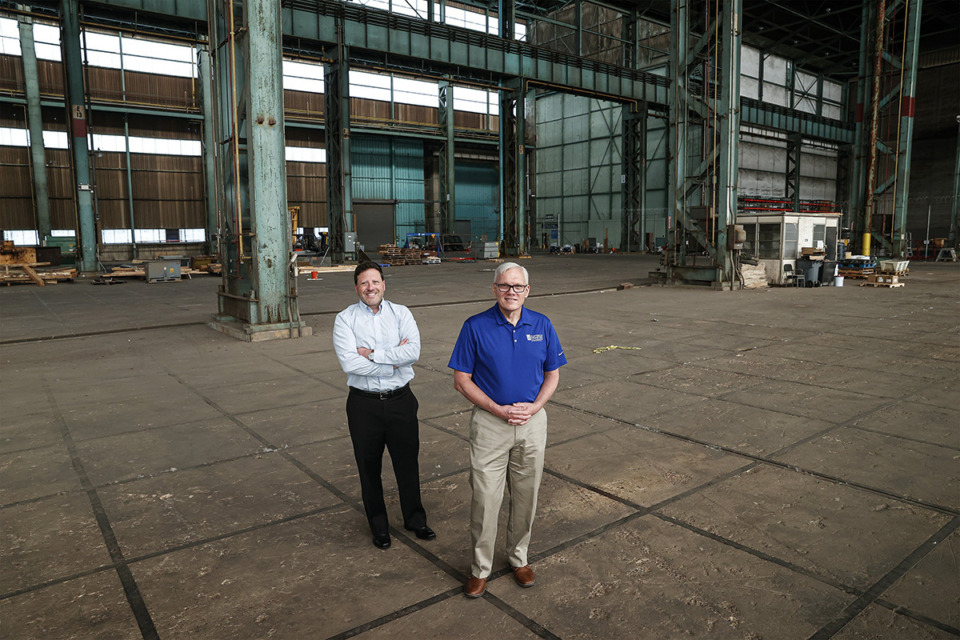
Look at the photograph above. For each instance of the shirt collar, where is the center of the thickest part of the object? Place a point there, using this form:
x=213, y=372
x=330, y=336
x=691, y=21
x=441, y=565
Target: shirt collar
x=364, y=308
x=501, y=320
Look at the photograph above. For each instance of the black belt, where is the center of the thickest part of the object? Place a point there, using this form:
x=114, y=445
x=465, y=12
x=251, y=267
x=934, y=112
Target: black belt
x=381, y=395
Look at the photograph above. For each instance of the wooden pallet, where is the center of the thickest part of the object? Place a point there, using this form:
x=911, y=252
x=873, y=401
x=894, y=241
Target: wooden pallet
x=890, y=285
x=28, y=274
x=855, y=274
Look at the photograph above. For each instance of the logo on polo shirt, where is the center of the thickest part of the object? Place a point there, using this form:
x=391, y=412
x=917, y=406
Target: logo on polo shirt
x=534, y=337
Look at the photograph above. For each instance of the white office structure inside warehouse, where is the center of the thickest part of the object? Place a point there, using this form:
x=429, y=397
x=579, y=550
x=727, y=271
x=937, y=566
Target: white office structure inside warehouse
x=741, y=216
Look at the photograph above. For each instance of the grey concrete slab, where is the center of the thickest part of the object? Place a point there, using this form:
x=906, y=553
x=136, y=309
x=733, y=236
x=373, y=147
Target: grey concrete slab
x=627, y=401
x=931, y=588
x=29, y=431
x=35, y=473
x=751, y=430
x=130, y=455
x=298, y=424
x=917, y=421
x=878, y=623
x=901, y=467
x=697, y=380
x=452, y=618
x=308, y=578
x=818, y=403
x=649, y=579
x=847, y=536
x=91, y=606
x=176, y=508
x=640, y=466
x=49, y=539
x=133, y=399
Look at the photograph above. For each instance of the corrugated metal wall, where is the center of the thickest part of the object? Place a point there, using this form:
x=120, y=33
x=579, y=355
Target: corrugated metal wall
x=478, y=199
x=391, y=169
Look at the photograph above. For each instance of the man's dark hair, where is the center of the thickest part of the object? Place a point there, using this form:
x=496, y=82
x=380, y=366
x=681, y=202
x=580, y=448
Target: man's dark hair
x=363, y=266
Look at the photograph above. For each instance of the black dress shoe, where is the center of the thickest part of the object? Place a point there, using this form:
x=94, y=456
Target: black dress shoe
x=381, y=540
x=424, y=533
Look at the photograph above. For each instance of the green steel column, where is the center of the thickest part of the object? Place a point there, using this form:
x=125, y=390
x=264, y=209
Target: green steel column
x=679, y=114
x=336, y=81
x=508, y=172
x=952, y=237
x=38, y=156
x=209, y=156
x=729, y=116
x=258, y=297
x=447, y=166
x=126, y=149
x=521, y=169
x=77, y=116
x=858, y=186
x=507, y=14
x=634, y=123
x=908, y=99
x=794, y=158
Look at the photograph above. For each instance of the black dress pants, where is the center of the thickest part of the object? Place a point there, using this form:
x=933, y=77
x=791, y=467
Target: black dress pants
x=391, y=423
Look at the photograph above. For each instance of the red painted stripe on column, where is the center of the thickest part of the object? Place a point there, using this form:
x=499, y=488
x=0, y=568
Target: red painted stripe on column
x=79, y=128
x=909, y=104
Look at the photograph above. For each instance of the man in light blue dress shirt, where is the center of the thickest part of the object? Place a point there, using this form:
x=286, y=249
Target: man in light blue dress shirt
x=377, y=343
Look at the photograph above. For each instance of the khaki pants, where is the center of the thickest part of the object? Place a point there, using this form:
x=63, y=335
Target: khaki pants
x=504, y=454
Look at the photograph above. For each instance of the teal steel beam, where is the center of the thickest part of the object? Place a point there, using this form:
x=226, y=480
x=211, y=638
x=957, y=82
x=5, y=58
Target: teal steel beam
x=955, y=208
x=126, y=154
x=209, y=151
x=728, y=114
x=521, y=169
x=633, y=179
x=77, y=117
x=770, y=116
x=257, y=299
x=908, y=100
x=447, y=162
x=397, y=35
x=510, y=233
x=38, y=157
x=336, y=76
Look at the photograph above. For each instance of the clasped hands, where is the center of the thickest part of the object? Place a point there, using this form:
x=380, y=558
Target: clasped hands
x=518, y=413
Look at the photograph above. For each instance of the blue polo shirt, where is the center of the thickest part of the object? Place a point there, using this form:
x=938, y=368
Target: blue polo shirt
x=508, y=362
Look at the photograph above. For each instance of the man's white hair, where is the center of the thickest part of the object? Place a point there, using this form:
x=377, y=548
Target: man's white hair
x=506, y=266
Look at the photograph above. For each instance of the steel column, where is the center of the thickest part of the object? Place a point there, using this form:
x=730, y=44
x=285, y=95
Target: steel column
x=633, y=155
x=728, y=113
x=510, y=235
x=858, y=185
x=38, y=156
x=258, y=297
x=209, y=151
x=336, y=82
x=77, y=117
x=794, y=157
x=955, y=208
x=908, y=99
x=447, y=165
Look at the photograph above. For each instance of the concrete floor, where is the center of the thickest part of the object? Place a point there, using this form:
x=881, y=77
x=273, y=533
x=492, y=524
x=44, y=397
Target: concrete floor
x=772, y=464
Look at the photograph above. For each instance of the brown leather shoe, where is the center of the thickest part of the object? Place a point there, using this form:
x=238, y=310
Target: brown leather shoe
x=524, y=576
x=475, y=587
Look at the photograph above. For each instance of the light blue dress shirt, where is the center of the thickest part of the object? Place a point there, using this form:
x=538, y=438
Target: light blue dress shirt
x=392, y=365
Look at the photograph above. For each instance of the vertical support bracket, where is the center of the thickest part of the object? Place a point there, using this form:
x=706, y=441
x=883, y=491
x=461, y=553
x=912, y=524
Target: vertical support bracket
x=447, y=165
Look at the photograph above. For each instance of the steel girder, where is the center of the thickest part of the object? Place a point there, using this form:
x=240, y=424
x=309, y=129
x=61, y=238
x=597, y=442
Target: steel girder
x=41, y=192
x=77, y=117
x=634, y=123
x=339, y=169
x=713, y=185
x=257, y=298
x=509, y=165
x=446, y=165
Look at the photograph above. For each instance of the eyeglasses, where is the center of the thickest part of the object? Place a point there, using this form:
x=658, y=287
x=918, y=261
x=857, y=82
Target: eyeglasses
x=517, y=288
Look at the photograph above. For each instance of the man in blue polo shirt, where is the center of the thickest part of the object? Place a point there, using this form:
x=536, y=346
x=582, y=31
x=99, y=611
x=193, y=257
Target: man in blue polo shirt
x=507, y=363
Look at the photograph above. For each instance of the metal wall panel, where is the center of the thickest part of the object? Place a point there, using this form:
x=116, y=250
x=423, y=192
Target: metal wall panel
x=478, y=198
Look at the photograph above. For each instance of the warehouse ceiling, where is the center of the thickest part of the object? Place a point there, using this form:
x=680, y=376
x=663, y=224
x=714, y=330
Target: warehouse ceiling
x=819, y=35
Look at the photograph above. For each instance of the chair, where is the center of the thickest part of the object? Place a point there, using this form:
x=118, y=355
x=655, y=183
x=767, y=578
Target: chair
x=796, y=278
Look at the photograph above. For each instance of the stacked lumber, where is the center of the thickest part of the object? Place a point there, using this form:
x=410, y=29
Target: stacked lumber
x=395, y=256
x=754, y=276
x=19, y=266
x=28, y=274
